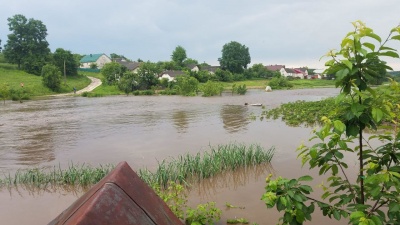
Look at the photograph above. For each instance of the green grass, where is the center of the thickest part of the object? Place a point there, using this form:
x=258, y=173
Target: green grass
x=76, y=175
x=188, y=168
x=315, y=83
x=298, y=83
x=11, y=76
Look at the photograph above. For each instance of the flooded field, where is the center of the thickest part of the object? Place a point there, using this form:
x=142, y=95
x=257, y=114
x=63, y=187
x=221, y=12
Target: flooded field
x=143, y=130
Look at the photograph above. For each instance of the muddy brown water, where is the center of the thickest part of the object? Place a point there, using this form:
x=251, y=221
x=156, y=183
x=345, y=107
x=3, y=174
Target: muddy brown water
x=143, y=130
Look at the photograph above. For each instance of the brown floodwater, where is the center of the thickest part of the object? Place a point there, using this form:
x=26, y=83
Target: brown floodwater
x=143, y=130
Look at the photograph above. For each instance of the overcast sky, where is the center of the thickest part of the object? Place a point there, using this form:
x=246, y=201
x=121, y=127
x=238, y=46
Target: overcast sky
x=290, y=32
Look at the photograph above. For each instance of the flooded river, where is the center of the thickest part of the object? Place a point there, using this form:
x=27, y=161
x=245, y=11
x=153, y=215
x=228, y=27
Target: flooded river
x=143, y=130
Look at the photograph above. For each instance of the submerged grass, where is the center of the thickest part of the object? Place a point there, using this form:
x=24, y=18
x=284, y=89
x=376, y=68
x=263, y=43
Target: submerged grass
x=183, y=169
x=77, y=175
x=188, y=167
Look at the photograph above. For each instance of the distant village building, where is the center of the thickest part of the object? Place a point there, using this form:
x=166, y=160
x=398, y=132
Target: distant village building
x=131, y=66
x=301, y=72
x=193, y=67
x=99, y=59
x=210, y=69
x=170, y=74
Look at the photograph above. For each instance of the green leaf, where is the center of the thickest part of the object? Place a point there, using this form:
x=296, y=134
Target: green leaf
x=336, y=214
x=376, y=220
x=352, y=130
x=334, y=169
x=377, y=114
x=397, y=37
x=342, y=144
x=394, y=207
x=395, y=169
x=283, y=200
x=339, y=126
x=369, y=45
x=390, y=54
x=374, y=36
x=356, y=215
x=347, y=63
x=376, y=191
x=386, y=48
x=313, y=153
x=342, y=73
x=330, y=62
x=306, y=189
x=298, y=197
x=290, y=193
x=305, y=178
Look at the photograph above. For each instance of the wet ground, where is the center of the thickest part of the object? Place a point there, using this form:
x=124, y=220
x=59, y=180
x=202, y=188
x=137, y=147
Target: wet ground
x=143, y=130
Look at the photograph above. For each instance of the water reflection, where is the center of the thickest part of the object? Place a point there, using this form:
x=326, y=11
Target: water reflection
x=232, y=179
x=24, y=190
x=181, y=122
x=37, y=146
x=234, y=117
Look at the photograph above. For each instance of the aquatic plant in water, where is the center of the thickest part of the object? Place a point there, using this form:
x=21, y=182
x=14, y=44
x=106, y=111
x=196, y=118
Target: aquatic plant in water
x=218, y=159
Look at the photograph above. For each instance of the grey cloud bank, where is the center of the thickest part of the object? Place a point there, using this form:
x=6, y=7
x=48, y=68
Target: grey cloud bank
x=290, y=32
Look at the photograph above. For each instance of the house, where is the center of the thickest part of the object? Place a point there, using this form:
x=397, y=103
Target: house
x=99, y=59
x=210, y=69
x=170, y=74
x=131, y=66
x=289, y=72
x=193, y=67
x=275, y=67
x=302, y=72
x=316, y=74
x=278, y=68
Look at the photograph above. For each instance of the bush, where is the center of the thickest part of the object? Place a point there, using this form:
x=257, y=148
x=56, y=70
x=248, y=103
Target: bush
x=51, y=76
x=212, y=88
x=280, y=83
x=19, y=94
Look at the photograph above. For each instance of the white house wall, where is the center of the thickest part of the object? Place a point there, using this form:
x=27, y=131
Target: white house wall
x=102, y=60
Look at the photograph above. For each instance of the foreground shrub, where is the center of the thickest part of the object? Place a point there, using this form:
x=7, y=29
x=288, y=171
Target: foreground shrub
x=373, y=199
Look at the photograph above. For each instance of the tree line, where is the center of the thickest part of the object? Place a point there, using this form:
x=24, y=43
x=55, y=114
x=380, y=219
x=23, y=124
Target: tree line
x=28, y=48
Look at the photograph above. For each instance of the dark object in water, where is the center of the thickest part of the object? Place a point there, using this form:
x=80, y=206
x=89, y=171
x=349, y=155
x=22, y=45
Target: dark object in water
x=254, y=104
x=121, y=197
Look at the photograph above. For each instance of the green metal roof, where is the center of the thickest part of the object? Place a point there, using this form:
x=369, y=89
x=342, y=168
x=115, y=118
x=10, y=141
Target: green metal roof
x=90, y=58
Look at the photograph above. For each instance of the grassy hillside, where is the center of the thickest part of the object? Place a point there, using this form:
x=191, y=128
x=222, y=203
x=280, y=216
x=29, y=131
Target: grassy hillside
x=12, y=77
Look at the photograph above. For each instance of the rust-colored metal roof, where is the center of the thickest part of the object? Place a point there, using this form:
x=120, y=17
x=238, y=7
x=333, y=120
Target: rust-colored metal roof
x=119, y=198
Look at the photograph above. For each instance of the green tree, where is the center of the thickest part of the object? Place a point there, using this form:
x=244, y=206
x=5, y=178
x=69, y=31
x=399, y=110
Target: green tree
x=128, y=82
x=148, y=75
x=112, y=72
x=51, y=76
x=235, y=57
x=65, y=58
x=189, y=61
x=374, y=197
x=26, y=45
x=187, y=86
x=258, y=71
x=179, y=55
x=114, y=56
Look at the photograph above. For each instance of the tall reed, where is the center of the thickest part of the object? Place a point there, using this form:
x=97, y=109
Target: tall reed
x=187, y=167
x=82, y=175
